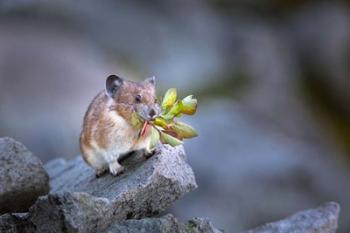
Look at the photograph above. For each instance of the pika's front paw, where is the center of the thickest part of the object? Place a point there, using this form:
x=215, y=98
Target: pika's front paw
x=115, y=168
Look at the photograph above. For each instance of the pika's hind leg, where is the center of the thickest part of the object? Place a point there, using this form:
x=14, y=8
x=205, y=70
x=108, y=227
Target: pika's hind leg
x=99, y=164
x=96, y=160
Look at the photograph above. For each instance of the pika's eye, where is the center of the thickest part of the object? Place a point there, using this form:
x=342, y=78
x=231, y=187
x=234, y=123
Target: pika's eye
x=138, y=98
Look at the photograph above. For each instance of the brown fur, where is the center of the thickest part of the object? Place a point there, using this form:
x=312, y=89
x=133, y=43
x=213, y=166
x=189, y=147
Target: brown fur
x=127, y=96
x=99, y=126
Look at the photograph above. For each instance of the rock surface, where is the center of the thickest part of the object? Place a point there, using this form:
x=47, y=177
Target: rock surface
x=22, y=177
x=80, y=202
x=165, y=224
x=201, y=225
x=320, y=220
x=323, y=219
x=16, y=223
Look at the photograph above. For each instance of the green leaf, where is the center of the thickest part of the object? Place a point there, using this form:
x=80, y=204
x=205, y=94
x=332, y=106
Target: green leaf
x=165, y=128
x=168, y=139
x=155, y=137
x=161, y=122
x=184, y=130
x=175, y=110
x=136, y=120
x=169, y=99
x=189, y=105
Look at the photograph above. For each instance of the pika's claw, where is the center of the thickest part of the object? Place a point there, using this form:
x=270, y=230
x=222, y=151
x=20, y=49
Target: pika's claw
x=115, y=168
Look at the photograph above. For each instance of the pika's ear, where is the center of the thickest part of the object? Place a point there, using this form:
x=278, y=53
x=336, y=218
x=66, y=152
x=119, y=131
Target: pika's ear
x=151, y=80
x=113, y=83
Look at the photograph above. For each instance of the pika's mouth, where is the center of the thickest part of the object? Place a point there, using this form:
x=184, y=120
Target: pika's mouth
x=147, y=117
x=148, y=113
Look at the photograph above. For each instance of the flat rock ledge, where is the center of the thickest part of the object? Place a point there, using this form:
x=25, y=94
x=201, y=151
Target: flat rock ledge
x=22, y=177
x=323, y=219
x=80, y=202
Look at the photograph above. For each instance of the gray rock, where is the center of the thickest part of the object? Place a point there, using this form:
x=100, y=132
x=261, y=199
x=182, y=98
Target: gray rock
x=80, y=202
x=323, y=219
x=16, y=223
x=23, y=178
x=55, y=167
x=201, y=225
x=165, y=224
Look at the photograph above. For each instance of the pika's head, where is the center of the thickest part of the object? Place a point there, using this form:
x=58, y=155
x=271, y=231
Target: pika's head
x=133, y=96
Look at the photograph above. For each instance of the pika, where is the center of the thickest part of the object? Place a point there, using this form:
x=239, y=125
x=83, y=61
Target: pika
x=108, y=128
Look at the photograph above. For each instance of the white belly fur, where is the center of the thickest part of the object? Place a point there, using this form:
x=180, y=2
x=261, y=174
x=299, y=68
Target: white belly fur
x=121, y=140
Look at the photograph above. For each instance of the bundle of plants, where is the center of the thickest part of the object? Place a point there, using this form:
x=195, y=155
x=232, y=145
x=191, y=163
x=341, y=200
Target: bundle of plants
x=166, y=128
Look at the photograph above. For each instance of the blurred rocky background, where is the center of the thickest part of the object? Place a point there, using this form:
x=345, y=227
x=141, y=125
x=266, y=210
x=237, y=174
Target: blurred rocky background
x=272, y=79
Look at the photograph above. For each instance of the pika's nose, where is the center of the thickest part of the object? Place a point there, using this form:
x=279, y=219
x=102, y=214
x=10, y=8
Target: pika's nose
x=152, y=112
